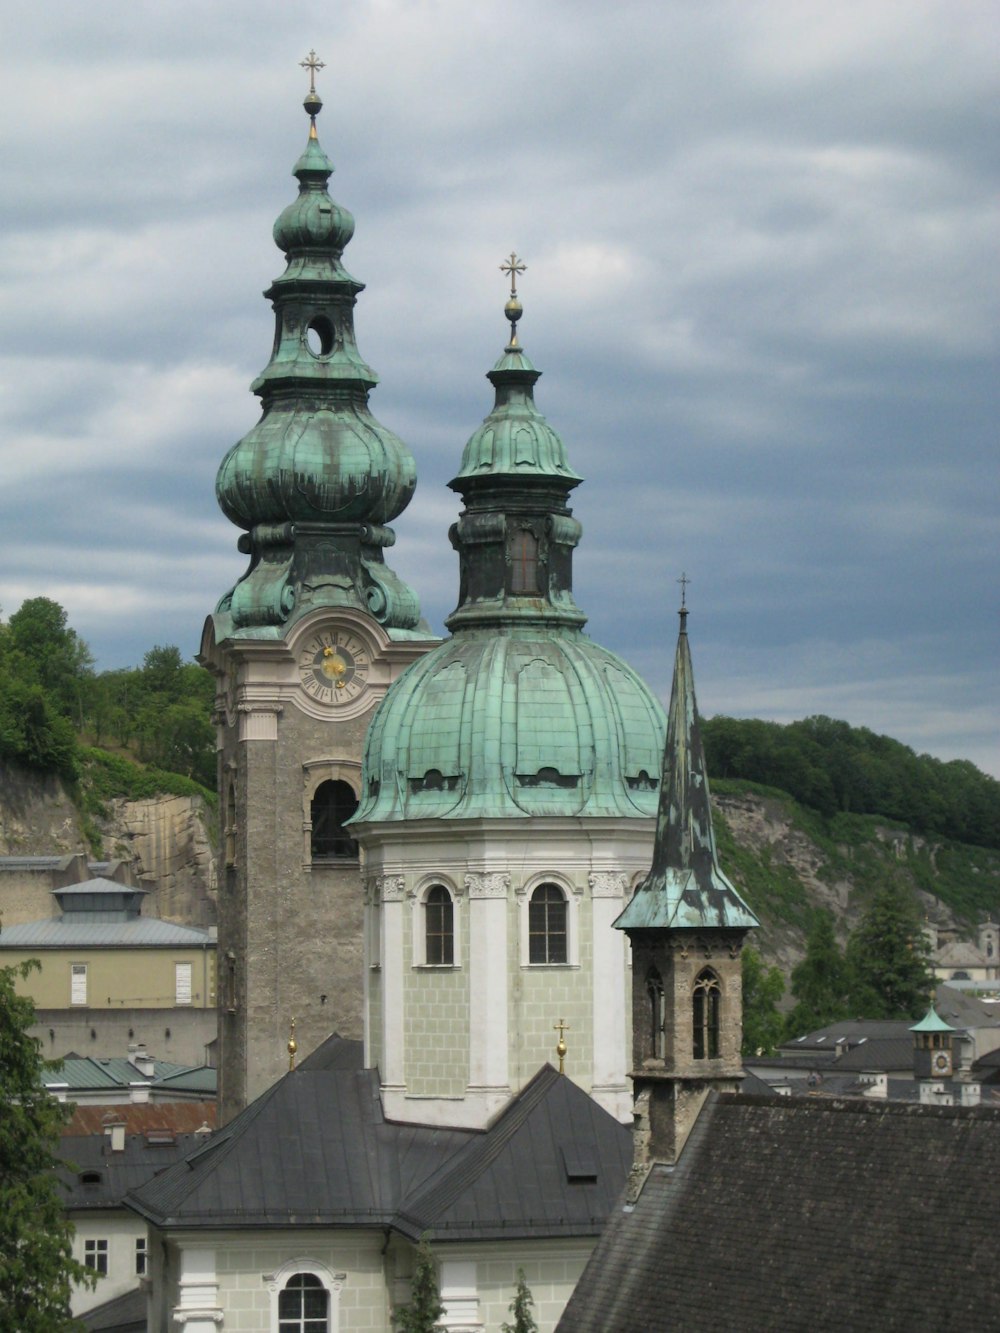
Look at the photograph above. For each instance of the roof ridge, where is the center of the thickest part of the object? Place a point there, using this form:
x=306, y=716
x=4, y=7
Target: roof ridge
x=445, y=1185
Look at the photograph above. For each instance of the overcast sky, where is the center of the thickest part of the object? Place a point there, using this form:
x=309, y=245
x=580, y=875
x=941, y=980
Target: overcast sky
x=761, y=242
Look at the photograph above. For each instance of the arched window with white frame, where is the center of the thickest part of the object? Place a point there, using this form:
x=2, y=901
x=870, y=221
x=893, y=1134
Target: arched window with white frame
x=548, y=925
x=305, y=1297
x=439, y=927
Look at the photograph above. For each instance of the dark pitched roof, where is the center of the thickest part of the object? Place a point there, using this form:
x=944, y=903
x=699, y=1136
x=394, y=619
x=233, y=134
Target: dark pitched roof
x=879, y=1054
x=123, y=1314
x=853, y=1030
x=315, y=1150
x=807, y=1214
x=336, y=1052
x=95, y=1177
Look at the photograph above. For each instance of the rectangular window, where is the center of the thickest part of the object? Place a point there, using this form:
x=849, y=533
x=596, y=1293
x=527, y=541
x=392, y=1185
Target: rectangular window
x=95, y=1256
x=140, y=1256
x=182, y=983
x=78, y=983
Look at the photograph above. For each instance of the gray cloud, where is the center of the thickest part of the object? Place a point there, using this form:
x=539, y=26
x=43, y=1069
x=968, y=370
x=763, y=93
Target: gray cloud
x=761, y=248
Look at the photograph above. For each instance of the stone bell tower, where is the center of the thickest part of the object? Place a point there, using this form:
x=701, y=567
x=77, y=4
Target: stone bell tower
x=687, y=925
x=302, y=649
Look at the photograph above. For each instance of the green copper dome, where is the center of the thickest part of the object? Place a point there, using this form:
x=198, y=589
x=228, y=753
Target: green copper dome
x=315, y=482
x=519, y=713
x=517, y=723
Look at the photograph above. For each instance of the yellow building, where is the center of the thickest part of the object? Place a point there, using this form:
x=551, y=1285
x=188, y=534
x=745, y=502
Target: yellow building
x=108, y=974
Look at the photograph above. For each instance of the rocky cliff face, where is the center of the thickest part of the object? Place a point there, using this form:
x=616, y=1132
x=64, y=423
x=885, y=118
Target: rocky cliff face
x=164, y=839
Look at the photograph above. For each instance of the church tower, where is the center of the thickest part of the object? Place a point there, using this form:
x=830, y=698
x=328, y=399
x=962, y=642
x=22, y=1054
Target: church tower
x=686, y=924
x=302, y=649
x=510, y=788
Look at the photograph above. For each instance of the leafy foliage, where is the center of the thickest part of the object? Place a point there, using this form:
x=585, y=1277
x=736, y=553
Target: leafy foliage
x=833, y=767
x=763, y=987
x=888, y=958
x=520, y=1308
x=821, y=982
x=424, y=1309
x=37, y=1268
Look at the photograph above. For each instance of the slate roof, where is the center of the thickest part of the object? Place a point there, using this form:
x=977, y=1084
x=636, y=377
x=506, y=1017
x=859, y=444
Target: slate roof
x=315, y=1150
x=807, y=1214
x=880, y=1053
x=92, y=1176
x=123, y=1314
x=853, y=1030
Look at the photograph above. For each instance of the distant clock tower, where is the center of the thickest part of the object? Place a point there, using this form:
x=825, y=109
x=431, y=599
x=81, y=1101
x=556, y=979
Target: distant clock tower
x=302, y=649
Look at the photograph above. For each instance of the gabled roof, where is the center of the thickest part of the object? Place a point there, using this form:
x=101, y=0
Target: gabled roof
x=123, y=1314
x=142, y=1117
x=806, y=1214
x=315, y=1150
x=141, y=932
x=80, y=1073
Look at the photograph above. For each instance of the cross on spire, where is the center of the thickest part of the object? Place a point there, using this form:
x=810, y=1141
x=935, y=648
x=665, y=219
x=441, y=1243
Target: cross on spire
x=312, y=64
x=513, y=266
x=683, y=581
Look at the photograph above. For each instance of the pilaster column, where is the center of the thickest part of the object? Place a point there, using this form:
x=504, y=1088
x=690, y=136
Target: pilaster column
x=390, y=890
x=198, y=1309
x=609, y=1087
x=488, y=1005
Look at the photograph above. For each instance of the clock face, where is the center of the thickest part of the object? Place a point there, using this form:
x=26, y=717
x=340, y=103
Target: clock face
x=942, y=1062
x=333, y=667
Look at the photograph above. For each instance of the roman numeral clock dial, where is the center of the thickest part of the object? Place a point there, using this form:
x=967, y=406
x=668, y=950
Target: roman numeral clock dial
x=333, y=668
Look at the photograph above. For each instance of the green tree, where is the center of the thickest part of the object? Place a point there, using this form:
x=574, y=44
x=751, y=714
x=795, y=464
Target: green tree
x=42, y=648
x=820, y=983
x=37, y=1268
x=888, y=957
x=520, y=1308
x=32, y=732
x=424, y=1309
x=763, y=987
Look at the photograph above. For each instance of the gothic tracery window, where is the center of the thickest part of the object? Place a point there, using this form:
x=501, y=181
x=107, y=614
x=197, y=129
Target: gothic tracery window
x=706, y=1000
x=657, y=1036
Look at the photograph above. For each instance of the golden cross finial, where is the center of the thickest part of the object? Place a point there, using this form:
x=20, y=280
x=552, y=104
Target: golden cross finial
x=293, y=1046
x=513, y=266
x=683, y=581
x=561, y=1027
x=312, y=65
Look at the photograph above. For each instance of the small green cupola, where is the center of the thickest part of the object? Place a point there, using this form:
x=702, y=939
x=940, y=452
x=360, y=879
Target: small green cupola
x=933, y=1046
x=519, y=713
x=317, y=480
x=516, y=535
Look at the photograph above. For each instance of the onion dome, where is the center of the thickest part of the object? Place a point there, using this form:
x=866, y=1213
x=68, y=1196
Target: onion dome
x=685, y=887
x=519, y=713
x=316, y=481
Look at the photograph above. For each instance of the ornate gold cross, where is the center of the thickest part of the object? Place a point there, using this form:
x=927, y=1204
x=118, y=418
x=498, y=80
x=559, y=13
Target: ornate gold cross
x=513, y=266
x=312, y=65
x=561, y=1027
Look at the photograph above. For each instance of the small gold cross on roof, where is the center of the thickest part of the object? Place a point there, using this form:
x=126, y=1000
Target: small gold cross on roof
x=513, y=266
x=312, y=65
x=562, y=1027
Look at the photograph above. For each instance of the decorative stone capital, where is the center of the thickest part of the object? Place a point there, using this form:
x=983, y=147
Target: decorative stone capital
x=258, y=721
x=608, y=884
x=491, y=885
x=197, y=1317
x=391, y=888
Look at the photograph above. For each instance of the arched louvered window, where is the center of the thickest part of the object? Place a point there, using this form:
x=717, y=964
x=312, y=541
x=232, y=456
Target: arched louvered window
x=524, y=562
x=547, y=925
x=707, y=998
x=439, y=927
x=303, y=1305
x=332, y=805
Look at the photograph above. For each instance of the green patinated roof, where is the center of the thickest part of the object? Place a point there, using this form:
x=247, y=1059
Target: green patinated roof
x=685, y=887
x=493, y=725
x=932, y=1022
x=515, y=438
x=315, y=482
